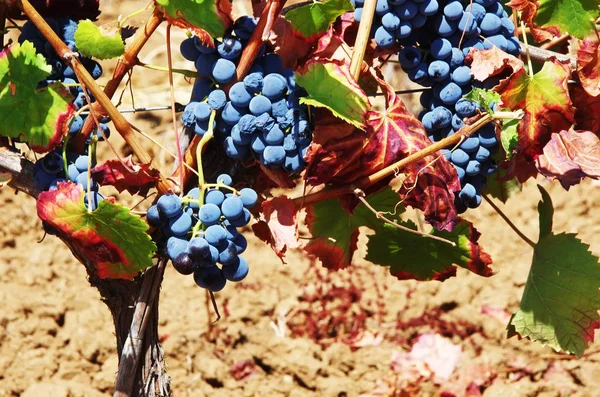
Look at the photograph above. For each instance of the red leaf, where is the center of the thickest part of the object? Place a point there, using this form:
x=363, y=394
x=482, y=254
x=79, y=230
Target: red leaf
x=587, y=114
x=571, y=156
x=119, y=174
x=289, y=46
x=529, y=10
x=545, y=100
x=588, y=66
x=278, y=176
x=486, y=63
x=278, y=226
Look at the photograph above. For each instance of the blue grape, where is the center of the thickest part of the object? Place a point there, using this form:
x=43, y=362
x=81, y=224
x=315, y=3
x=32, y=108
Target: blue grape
x=258, y=144
x=382, y=7
x=453, y=10
x=384, y=38
x=202, y=88
x=225, y=179
x=202, y=111
x=445, y=27
x=490, y=24
x=242, y=220
x=418, y=21
x=231, y=114
x=264, y=122
x=254, y=83
x=358, y=14
x=279, y=108
x=234, y=150
x=238, y=94
x=404, y=30
x=205, y=64
x=209, y=214
x=76, y=125
x=82, y=179
x=189, y=50
x=487, y=135
x=204, y=48
x=230, y=48
x=232, y=207
x=477, y=10
x=217, y=99
x=259, y=105
x=496, y=41
x=274, y=155
x=390, y=21
x=428, y=7
x=439, y=70
x=482, y=154
x=473, y=168
x=215, y=197
x=274, y=87
x=274, y=136
x=409, y=57
x=240, y=243
x=248, y=197
x=247, y=124
x=450, y=93
x=153, y=216
x=210, y=278
x=96, y=199
x=457, y=123
x=82, y=163
x=237, y=271
x=239, y=137
x=272, y=63
x=508, y=27
x=215, y=235
x=184, y=264
x=462, y=75
x=175, y=246
x=467, y=23
x=169, y=205
x=407, y=10
x=441, y=48
x=244, y=26
x=198, y=248
x=457, y=59
x=180, y=225
x=471, y=144
x=223, y=70
x=460, y=157
x=229, y=254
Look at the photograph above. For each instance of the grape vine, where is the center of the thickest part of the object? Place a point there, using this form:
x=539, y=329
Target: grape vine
x=261, y=118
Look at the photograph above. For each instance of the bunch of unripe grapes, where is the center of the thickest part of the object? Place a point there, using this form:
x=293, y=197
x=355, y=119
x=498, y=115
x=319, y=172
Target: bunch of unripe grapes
x=202, y=233
x=261, y=114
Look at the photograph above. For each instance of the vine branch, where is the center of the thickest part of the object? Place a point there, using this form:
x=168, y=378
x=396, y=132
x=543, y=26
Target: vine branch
x=362, y=38
x=369, y=180
x=88, y=82
x=542, y=55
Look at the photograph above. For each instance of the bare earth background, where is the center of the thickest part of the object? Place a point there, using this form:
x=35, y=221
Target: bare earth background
x=56, y=337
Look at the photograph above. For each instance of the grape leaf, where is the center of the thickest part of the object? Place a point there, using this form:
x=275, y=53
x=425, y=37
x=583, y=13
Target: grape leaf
x=125, y=175
x=491, y=62
x=330, y=85
x=37, y=116
x=560, y=303
x=587, y=114
x=314, y=19
x=547, y=18
x=110, y=236
x=335, y=231
x=509, y=137
x=545, y=100
x=588, y=66
x=410, y=256
x=205, y=17
x=390, y=136
x=485, y=98
x=571, y=156
x=102, y=43
x=501, y=187
x=278, y=226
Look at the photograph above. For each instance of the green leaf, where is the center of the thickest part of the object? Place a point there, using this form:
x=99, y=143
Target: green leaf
x=330, y=86
x=335, y=231
x=500, y=188
x=97, y=42
x=111, y=237
x=485, y=98
x=410, y=256
x=312, y=20
x=37, y=117
x=211, y=16
x=560, y=303
x=509, y=136
x=575, y=17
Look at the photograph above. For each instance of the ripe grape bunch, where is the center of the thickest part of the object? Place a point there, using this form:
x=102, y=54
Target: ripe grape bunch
x=261, y=114
x=203, y=232
x=434, y=56
x=65, y=28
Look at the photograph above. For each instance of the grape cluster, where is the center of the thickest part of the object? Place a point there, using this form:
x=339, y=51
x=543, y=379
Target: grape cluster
x=261, y=114
x=65, y=28
x=204, y=232
x=49, y=171
x=434, y=56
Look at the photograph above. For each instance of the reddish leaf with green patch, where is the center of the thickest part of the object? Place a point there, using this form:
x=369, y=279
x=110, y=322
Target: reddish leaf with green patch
x=588, y=66
x=390, y=136
x=545, y=100
x=413, y=257
x=571, y=156
x=125, y=175
x=278, y=226
x=111, y=237
x=587, y=114
x=37, y=116
x=206, y=18
x=546, y=19
x=314, y=19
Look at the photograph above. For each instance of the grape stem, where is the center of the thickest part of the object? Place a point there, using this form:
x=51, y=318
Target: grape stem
x=363, y=37
x=185, y=72
x=529, y=65
x=172, y=91
x=201, y=181
x=369, y=180
x=122, y=126
x=361, y=196
x=91, y=154
x=542, y=55
x=508, y=221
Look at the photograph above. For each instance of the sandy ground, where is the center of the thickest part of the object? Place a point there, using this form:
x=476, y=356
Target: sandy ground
x=286, y=328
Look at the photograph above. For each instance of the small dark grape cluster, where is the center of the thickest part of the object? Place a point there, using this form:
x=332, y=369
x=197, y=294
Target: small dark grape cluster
x=261, y=114
x=434, y=56
x=65, y=28
x=204, y=232
x=49, y=170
